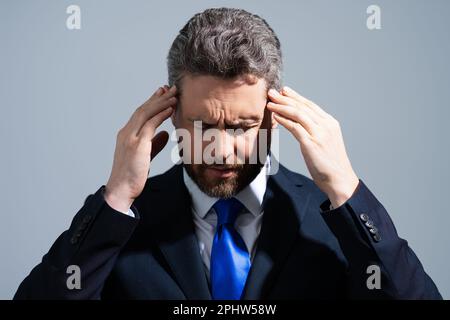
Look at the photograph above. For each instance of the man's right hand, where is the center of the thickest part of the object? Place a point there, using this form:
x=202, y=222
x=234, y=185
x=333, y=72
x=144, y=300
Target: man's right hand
x=136, y=145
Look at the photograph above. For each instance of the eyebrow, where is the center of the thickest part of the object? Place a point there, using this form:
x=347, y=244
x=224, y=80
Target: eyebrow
x=247, y=121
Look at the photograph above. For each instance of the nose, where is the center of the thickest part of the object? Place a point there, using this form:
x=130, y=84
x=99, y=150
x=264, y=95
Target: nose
x=225, y=147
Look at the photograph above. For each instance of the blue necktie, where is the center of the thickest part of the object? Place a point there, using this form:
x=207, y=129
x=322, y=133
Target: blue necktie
x=230, y=260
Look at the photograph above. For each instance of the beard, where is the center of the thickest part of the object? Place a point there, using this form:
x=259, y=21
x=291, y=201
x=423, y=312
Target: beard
x=216, y=187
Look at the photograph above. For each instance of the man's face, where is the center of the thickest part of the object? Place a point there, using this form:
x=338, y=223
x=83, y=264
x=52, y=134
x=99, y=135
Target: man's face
x=235, y=110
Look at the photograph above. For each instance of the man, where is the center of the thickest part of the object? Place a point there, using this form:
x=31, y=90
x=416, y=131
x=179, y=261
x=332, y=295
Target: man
x=230, y=229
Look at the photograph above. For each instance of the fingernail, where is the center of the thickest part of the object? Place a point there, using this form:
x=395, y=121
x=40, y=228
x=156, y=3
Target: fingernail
x=173, y=88
x=273, y=92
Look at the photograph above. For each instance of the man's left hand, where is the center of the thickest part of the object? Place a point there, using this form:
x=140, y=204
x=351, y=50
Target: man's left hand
x=321, y=143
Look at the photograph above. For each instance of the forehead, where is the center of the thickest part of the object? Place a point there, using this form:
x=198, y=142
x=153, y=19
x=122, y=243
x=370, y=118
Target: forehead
x=208, y=95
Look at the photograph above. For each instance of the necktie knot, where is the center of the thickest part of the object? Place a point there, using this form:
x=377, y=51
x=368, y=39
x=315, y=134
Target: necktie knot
x=227, y=210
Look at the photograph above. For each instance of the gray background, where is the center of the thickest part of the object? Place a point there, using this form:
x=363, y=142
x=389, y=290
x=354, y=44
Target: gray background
x=64, y=94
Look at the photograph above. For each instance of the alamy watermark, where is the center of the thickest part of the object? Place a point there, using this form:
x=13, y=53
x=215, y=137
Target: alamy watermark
x=373, y=21
x=374, y=280
x=74, y=279
x=73, y=21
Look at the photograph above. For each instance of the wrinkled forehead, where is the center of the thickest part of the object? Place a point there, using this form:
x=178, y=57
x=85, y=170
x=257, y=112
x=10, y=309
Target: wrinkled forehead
x=210, y=97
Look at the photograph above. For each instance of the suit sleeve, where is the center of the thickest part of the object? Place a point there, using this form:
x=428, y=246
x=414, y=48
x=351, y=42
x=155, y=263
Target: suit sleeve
x=371, y=245
x=92, y=243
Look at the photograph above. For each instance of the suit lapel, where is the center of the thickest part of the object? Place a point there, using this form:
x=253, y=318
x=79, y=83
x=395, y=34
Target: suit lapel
x=283, y=206
x=176, y=237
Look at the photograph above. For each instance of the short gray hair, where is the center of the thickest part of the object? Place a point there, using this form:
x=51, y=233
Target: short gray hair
x=226, y=43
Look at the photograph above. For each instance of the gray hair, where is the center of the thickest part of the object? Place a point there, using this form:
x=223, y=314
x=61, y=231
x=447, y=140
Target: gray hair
x=226, y=43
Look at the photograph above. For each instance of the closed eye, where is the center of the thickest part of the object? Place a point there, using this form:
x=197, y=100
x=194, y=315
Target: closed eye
x=202, y=125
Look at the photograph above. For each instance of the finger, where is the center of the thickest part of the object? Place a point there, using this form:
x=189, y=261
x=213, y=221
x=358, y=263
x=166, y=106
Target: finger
x=294, y=114
x=168, y=95
x=157, y=93
x=292, y=111
x=292, y=93
x=159, y=141
x=300, y=133
x=148, y=130
x=151, y=108
x=170, y=90
x=167, y=88
x=282, y=99
x=277, y=97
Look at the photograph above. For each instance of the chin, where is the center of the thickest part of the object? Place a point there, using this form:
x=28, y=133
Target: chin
x=221, y=183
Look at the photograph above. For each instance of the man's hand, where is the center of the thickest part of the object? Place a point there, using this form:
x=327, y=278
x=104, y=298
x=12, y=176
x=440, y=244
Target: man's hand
x=136, y=145
x=321, y=143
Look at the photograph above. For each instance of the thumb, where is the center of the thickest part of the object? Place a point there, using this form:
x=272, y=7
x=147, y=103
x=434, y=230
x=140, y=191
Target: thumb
x=159, y=141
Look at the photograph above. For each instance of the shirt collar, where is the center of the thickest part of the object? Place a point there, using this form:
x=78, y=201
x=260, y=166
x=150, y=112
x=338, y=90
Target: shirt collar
x=251, y=196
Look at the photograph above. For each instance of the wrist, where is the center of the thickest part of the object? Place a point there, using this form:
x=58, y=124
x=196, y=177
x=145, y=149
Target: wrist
x=340, y=194
x=117, y=201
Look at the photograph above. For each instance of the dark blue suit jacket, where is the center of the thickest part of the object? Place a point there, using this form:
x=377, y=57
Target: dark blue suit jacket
x=303, y=252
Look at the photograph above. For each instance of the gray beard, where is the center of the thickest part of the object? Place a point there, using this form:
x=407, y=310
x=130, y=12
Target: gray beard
x=225, y=188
